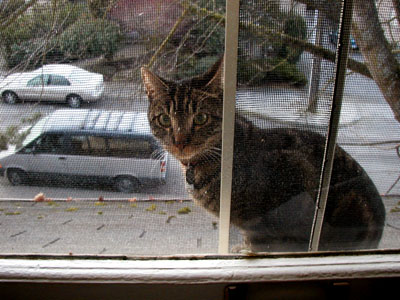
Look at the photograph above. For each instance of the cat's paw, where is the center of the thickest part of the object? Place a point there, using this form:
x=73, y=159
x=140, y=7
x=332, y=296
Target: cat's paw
x=241, y=249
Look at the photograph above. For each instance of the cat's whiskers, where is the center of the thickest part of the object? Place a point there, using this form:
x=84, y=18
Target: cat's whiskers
x=212, y=154
x=159, y=153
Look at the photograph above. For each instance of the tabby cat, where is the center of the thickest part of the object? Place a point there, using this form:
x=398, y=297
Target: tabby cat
x=275, y=171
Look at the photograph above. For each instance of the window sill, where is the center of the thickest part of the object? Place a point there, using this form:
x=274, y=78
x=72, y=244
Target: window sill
x=199, y=270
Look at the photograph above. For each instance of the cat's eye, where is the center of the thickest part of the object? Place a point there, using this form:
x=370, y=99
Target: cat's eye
x=200, y=119
x=164, y=120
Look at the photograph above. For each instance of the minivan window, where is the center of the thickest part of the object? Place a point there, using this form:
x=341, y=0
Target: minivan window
x=34, y=131
x=87, y=145
x=134, y=148
x=49, y=144
x=96, y=146
x=78, y=145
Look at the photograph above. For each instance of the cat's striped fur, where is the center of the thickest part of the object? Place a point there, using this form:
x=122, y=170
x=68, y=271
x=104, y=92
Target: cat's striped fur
x=276, y=172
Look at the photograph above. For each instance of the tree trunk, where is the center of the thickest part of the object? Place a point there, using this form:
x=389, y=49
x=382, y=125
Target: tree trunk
x=376, y=50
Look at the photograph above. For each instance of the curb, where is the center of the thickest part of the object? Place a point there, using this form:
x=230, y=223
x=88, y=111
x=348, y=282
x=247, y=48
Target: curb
x=349, y=116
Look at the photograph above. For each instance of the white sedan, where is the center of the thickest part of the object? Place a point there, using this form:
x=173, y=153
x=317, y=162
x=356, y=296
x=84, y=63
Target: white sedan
x=55, y=82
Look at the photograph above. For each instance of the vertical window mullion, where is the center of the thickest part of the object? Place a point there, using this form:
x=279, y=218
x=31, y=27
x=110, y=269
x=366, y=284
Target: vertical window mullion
x=341, y=66
x=230, y=73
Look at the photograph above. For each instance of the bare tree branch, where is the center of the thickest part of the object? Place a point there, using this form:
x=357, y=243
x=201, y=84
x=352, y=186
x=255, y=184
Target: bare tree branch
x=170, y=34
x=377, y=52
x=396, y=6
x=263, y=31
x=370, y=37
x=8, y=21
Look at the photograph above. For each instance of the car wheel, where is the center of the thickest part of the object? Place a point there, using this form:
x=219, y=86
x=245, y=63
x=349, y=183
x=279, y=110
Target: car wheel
x=74, y=101
x=126, y=184
x=16, y=176
x=10, y=97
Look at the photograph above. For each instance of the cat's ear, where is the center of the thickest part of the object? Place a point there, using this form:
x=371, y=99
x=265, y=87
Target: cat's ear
x=216, y=72
x=153, y=84
x=212, y=80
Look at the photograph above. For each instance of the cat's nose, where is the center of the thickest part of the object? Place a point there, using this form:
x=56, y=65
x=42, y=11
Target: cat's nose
x=181, y=140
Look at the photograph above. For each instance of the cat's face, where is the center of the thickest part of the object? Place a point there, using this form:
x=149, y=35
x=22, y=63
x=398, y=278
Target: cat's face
x=186, y=116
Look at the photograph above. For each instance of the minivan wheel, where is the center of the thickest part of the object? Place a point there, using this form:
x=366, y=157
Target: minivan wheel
x=74, y=101
x=16, y=176
x=10, y=97
x=127, y=184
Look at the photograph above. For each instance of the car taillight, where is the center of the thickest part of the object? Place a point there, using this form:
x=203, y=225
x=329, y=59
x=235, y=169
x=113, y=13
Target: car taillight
x=162, y=166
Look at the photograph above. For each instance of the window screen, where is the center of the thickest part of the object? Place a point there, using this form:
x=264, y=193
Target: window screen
x=140, y=106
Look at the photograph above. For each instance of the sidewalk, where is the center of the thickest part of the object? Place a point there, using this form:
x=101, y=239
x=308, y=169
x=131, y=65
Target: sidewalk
x=125, y=228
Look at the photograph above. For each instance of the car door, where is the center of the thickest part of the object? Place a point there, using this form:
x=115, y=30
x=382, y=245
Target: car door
x=46, y=156
x=58, y=88
x=87, y=156
x=36, y=88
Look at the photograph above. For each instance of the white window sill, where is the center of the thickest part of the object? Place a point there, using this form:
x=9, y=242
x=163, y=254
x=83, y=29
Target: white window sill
x=200, y=271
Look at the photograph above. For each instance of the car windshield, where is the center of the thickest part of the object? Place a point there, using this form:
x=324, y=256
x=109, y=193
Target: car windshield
x=34, y=131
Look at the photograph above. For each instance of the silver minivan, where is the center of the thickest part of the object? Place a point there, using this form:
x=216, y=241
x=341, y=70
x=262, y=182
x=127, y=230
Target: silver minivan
x=83, y=144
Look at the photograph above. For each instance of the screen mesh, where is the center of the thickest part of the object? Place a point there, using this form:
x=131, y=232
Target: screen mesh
x=110, y=126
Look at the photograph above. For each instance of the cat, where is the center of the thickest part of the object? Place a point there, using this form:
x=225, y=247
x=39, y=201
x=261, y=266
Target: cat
x=276, y=171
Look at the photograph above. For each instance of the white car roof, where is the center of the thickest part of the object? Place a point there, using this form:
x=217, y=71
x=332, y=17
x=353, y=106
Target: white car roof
x=61, y=69
x=93, y=120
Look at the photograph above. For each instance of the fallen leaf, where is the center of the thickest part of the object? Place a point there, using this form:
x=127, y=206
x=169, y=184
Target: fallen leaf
x=151, y=208
x=132, y=200
x=133, y=205
x=72, y=209
x=395, y=209
x=184, y=210
x=12, y=213
x=39, y=197
x=99, y=203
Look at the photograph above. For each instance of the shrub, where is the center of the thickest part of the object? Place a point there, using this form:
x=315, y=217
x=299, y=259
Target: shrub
x=90, y=38
x=32, y=53
x=262, y=71
x=98, y=8
x=294, y=26
x=28, y=42
x=8, y=7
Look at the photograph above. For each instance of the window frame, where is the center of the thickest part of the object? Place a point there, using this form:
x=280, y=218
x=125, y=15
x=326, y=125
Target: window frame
x=202, y=269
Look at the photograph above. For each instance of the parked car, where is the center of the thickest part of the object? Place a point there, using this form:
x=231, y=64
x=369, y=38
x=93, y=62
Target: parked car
x=83, y=144
x=333, y=37
x=55, y=82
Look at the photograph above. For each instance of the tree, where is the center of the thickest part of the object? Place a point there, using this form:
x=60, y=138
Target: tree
x=370, y=37
x=380, y=62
